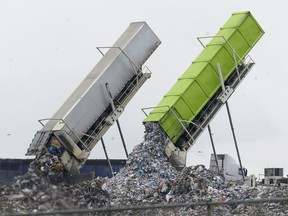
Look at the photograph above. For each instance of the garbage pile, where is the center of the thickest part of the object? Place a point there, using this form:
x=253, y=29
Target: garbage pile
x=35, y=193
x=148, y=178
x=148, y=174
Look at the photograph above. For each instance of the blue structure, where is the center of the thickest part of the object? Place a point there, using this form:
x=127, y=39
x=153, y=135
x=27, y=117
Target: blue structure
x=11, y=168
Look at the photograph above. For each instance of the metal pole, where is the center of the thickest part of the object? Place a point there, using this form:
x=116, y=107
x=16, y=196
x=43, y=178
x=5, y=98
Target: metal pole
x=230, y=120
x=117, y=121
x=108, y=160
x=209, y=209
x=214, y=151
x=122, y=138
x=221, y=77
x=235, y=141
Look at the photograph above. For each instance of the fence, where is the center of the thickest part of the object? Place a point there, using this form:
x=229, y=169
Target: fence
x=275, y=206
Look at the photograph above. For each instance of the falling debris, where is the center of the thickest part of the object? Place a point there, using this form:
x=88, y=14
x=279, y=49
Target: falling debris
x=148, y=174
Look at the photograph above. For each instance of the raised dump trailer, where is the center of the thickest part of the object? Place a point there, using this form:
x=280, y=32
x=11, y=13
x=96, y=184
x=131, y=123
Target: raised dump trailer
x=196, y=97
x=99, y=100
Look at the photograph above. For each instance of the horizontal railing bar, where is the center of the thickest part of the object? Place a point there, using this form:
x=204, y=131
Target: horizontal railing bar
x=160, y=206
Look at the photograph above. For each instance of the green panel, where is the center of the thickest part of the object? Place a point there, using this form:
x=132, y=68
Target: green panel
x=194, y=70
x=236, y=19
x=191, y=93
x=235, y=39
x=206, y=76
x=247, y=26
x=225, y=59
x=173, y=129
x=208, y=53
x=215, y=54
x=195, y=97
x=154, y=117
x=178, y=98
x=180, y=87
x=180, y=108
x=169, y=120
x=161, y=109
x=251, y=31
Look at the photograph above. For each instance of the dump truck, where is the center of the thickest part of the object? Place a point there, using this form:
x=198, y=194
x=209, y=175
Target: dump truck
x=99, y=100
x=206, y=85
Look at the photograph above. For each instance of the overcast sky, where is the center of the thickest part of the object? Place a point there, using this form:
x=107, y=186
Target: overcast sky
x=48, y=47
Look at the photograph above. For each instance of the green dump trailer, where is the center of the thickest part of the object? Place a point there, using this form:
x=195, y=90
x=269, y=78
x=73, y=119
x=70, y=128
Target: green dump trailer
x=195, y=98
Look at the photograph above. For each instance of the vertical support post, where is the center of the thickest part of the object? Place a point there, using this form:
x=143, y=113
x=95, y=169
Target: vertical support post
x=117, y=121
x=230, y=120
x=122, y=138
x=209, y=209
x=221, y=76
x=235, y=141
x=107, y=158
x=214, y=151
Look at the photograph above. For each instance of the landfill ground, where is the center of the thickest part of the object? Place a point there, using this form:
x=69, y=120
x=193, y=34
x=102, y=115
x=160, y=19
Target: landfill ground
x=148, y=179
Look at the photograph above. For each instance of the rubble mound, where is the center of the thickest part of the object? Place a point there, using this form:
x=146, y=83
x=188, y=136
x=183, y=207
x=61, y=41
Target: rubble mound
x=148, y=178
x=148, y=174
x=34, y=193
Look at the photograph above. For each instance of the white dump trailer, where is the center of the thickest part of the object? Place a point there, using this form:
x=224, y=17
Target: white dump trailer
x=99, y=100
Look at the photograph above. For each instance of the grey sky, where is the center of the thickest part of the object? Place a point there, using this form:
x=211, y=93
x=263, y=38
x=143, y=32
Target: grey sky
x=48, y=47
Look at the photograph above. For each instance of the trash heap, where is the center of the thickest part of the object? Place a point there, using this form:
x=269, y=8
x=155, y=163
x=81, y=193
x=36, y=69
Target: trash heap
x=148, y=174
x=36, y=193
x=148, y=178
